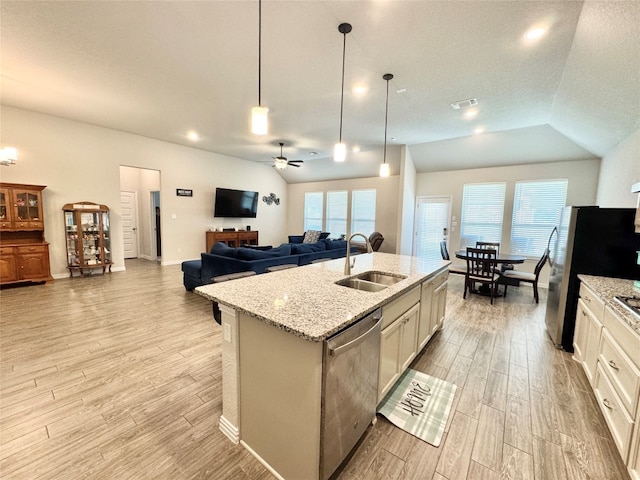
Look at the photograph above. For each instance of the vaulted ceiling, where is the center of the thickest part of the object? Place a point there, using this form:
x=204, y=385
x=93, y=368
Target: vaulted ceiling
x=163, y=68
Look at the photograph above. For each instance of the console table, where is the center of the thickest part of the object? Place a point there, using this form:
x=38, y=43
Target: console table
x=232, y=239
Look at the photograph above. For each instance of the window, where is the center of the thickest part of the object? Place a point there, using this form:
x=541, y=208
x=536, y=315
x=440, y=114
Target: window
x=363, y=211
x=536, y=210
x=482, y=212
x=337, y=213
x=313, y=211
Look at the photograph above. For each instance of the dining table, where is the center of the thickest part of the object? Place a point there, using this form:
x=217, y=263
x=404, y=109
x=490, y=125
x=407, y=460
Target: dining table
x=501, y=258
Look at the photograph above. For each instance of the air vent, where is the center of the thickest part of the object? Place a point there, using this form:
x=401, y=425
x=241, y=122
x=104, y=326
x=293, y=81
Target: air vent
x=464, y=103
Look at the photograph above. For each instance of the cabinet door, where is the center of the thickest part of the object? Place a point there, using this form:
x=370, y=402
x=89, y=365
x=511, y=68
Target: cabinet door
x=409, y=338
x=105, y=243
x=580, y=334
x=32, y=266
x=8, y=267
x=6, y=209
x=438, y=307
x=593, y=346
x=426, y=311
x=27, y=208
x=389, y=357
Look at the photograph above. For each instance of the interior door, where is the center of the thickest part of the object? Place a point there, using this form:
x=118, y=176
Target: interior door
x=431, y=226
x=129, y=205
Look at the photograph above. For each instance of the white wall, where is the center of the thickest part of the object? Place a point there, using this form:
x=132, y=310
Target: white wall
x=80, y=162
x=407, y=202
x=620, y=169
x=386, y=204
x=582, y=176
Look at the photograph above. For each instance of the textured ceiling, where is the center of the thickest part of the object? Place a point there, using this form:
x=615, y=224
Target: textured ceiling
x=162, y=68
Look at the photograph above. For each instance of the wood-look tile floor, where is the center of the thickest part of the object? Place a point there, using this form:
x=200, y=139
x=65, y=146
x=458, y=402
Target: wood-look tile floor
x=119, y=377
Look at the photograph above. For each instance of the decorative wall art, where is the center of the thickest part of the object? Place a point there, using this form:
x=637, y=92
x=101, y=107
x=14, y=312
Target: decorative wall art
x=271, y=199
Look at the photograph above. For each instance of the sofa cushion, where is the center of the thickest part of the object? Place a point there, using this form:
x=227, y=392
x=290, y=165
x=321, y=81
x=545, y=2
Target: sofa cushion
x=335, y=244
x=192, y=268
x=253, y=254
x=298, y=248
x=220, y=248
x=311, y=236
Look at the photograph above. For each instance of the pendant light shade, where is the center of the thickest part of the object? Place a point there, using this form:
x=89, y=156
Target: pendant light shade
x=259, y=120
x=340, y=149
x=384, y=167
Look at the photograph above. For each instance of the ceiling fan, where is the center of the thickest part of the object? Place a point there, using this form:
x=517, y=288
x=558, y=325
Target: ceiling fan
x=281, y=162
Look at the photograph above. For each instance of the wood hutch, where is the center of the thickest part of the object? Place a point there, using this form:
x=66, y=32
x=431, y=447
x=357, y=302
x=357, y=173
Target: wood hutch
x=24, y=252
x=233, y=238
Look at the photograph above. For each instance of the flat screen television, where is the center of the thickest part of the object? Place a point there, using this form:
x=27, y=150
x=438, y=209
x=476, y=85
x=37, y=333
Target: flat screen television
x=235, y=203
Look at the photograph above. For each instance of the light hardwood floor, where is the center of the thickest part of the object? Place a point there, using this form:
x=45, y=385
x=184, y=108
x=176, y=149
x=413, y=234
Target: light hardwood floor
x=119, y=376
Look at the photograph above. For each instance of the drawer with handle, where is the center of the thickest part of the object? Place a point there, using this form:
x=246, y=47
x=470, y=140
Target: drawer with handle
x=619, y=421
x=32, y=249
x=624, y=375
x=592, y=302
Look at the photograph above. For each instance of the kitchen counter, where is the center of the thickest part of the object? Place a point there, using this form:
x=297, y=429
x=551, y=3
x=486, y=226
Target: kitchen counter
x=607, y=288
x=306, y=301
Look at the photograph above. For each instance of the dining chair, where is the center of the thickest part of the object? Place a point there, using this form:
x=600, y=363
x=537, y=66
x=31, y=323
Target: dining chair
x=453, y=267
x=491, y=245
x=481, y=268
x=526, y=276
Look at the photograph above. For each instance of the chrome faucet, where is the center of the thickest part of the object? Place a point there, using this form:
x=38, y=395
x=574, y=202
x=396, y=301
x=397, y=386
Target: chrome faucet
x=347, y=263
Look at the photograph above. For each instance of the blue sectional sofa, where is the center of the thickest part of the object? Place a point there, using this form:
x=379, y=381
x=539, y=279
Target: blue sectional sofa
x=224, y=260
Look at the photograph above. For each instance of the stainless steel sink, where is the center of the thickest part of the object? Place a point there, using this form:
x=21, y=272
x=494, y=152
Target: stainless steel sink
x=371, y=281
x=380, y=277
x=361, y=285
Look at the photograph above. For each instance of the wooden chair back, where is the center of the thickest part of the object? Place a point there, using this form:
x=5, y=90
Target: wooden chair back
x=481, y=263
x=490, y=245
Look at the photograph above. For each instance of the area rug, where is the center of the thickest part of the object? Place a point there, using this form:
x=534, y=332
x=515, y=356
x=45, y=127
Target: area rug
x=420, y=405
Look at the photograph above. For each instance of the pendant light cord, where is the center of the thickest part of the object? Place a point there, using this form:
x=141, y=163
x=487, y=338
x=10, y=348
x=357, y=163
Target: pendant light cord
x=344, y=50
x=387, y=77
x=259, y=51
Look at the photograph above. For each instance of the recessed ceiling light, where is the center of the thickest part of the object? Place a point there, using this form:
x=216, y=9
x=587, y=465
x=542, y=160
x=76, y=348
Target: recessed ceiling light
x=471, y=113
x=193, y=136
x=401, y=90
x=355, y=149
x=535, y=33
x=359, y=89
x=312, y=153
x=478, y=130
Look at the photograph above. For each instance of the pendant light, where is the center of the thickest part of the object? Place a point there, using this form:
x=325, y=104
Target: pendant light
x=340, y=149
x=384, y=166
x=259, y=124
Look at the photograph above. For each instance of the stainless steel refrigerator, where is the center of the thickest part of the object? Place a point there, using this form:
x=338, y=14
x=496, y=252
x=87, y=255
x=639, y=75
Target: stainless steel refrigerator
x=593, y=241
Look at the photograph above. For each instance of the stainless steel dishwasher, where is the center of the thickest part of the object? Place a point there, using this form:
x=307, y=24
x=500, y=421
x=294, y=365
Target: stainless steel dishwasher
x=349, y=389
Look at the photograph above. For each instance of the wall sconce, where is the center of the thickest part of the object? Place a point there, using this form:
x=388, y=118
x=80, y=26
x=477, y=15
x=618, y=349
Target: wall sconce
x=271, y=199
x=8, y=156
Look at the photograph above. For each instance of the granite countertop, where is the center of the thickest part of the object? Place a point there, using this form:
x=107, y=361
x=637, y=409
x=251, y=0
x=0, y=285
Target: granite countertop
x=306, y=301
x=607, y=288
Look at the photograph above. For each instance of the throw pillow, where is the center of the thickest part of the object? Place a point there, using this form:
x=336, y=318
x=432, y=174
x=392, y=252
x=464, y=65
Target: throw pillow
x=311, y=236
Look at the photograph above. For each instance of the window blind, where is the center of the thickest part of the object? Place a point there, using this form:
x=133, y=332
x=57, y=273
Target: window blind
x=482, y=213
x=536, y=210
x=337, y=213
x=363, y=211
x=313, y=211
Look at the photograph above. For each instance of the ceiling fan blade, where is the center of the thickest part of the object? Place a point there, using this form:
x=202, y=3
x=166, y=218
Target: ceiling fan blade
x=295, y=161
x=293, y=164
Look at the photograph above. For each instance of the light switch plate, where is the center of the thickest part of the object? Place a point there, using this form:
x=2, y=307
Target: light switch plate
x=227, y=332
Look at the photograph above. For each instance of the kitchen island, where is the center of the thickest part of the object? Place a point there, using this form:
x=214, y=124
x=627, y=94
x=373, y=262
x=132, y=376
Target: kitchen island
x=606, y=343
x=274, y=327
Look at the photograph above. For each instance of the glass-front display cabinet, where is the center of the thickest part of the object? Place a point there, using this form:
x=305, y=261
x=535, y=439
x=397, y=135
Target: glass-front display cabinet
x=88, y=235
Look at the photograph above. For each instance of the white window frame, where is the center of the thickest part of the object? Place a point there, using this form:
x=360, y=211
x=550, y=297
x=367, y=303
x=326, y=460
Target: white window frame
x=337, y=212
x=482, y=213
x=355, y=202
x=537, y=206
x=313, y=222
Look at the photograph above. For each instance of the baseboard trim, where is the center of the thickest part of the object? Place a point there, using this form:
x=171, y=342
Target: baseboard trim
x=262, y=461
x=230, y=430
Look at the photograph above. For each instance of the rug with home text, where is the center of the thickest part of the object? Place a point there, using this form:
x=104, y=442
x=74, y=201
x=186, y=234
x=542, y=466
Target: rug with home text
x=420, y=405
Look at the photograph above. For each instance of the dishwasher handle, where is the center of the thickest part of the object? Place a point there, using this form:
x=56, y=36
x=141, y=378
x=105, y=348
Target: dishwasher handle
x=334, y=352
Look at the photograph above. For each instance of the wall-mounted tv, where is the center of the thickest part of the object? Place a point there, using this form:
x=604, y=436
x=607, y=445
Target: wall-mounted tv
x=235, y=203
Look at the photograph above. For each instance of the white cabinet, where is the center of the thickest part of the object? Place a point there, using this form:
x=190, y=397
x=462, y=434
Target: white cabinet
x=398, y=347
x=609, y=351
x=586, y=338
x=432, y=307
